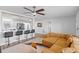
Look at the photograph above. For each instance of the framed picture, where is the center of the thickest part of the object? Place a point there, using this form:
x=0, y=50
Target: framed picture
x=20, y=26
x=39, y=24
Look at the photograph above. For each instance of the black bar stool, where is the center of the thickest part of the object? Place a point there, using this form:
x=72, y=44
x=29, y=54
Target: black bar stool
x=18, y=33
x=32, y=31
x=26, y=32
x=8, y=35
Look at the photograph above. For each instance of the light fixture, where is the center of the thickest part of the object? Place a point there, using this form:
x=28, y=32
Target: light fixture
x=34, y=14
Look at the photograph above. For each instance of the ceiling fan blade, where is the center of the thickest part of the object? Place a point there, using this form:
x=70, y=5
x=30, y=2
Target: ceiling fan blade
x=41, y=13
x=40, y=10
x=27, y=12
x=28, y=9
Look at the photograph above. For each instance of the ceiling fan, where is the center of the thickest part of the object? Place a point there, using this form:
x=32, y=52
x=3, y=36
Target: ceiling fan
x=34, y=11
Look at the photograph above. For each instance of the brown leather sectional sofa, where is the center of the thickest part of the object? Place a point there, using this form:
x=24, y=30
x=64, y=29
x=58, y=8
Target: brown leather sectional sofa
x=56, y=42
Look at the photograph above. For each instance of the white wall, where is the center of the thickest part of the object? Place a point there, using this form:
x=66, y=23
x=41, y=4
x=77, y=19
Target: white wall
x=62, y=24
x=77, y=24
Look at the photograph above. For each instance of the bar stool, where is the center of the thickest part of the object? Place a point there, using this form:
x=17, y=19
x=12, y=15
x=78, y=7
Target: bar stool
x=19, y=33
x=26, y=32
x=32, y=31
x=8, y=35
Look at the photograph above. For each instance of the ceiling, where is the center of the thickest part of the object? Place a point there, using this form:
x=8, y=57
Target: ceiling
x=50, y=11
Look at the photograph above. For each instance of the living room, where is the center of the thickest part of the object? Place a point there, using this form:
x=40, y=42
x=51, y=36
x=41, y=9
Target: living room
x=43, y=22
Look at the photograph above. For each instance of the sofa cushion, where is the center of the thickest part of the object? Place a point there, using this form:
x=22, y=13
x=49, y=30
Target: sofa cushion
x=49, y=41
x=46, y=43
x=61, y=42
x=56, y=48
